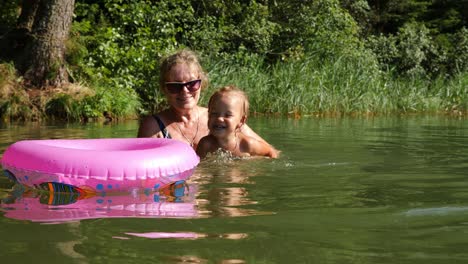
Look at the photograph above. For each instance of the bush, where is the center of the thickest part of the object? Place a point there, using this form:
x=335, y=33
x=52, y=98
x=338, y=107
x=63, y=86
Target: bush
x=459, y=56
x=8, y=15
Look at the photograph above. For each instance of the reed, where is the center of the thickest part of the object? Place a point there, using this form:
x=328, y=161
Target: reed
x=344, y=86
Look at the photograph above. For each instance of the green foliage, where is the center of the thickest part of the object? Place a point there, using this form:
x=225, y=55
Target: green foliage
x=388, y=16
x=321, y=28
x=446, y=16
x=123, y=51
x=133, y=35
x=413, y=45
x=414, y=52
x=414, y=37
x=255, y=31
x=459, y=55
x=121, y=100
x=112, y=102
x=8, y=15
x=230, y=25
x=292, y=55
x=385, y=48
x=63, y=107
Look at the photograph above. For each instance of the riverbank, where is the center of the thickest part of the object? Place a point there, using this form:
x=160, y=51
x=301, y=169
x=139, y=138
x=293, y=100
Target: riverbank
x=298, y=88
x=71, y=102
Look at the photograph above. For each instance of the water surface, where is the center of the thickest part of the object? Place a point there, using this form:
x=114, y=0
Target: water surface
x=352, y=190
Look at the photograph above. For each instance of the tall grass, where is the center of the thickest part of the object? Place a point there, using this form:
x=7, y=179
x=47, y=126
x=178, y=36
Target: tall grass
x=344, y=86
x=14, y=101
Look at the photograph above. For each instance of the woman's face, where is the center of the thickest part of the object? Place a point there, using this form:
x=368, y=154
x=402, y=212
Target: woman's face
x=182, y=73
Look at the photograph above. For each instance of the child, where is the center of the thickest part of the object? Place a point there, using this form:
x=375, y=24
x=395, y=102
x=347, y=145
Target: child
x=227, y=113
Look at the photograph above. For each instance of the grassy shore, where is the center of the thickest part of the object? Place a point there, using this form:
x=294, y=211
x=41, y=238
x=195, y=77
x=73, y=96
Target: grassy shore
x=308, y=87
x=71, y=102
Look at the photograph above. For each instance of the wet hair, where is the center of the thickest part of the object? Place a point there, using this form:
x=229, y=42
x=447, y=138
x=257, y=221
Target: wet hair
x=231, y=89
x=186, y=56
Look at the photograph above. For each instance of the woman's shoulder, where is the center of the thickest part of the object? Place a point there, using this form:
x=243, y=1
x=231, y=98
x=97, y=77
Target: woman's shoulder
x=150, y=125
x=147, y=127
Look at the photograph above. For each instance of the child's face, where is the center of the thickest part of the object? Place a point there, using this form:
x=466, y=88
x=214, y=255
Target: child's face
x=226, y=115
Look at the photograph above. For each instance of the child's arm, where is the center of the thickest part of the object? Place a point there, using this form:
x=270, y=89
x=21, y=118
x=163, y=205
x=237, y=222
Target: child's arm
x=260, y=148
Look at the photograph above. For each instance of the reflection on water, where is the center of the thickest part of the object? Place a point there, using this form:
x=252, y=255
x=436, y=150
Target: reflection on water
x=440, y=211
x=224, y=182
x=175, y=200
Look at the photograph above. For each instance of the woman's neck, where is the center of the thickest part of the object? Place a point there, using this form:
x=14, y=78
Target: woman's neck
x=187, y=124
x=185, y=115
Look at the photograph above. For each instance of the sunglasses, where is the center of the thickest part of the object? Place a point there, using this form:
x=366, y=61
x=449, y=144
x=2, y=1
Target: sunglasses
x=176, y=87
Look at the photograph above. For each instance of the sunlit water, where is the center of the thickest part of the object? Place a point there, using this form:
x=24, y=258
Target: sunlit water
x=354, y=190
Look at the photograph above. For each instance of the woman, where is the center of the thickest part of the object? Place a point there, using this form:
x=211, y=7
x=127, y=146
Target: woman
x=181, y=80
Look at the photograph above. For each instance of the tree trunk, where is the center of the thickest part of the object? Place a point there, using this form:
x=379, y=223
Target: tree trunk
x=44, y=64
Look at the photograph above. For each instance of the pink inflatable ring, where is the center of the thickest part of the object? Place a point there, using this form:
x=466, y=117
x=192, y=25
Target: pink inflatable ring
x=99, y=165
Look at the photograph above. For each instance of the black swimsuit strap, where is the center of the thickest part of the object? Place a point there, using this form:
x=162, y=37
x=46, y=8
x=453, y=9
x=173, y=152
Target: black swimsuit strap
x=162, y=127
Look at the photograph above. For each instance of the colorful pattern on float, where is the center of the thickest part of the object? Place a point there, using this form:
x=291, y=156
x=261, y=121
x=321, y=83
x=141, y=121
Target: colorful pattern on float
x=99, y=165
x=55, y=203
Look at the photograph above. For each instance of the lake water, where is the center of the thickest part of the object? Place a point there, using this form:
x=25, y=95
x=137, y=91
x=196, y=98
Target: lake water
x=351, y=190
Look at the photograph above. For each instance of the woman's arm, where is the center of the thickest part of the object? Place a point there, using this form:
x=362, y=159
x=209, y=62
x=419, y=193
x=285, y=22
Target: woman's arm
x=246, y=130
x=260, y=148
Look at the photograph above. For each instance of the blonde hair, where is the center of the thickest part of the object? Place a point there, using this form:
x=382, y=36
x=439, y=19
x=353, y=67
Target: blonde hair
x=231, y=89
x=184, y=56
